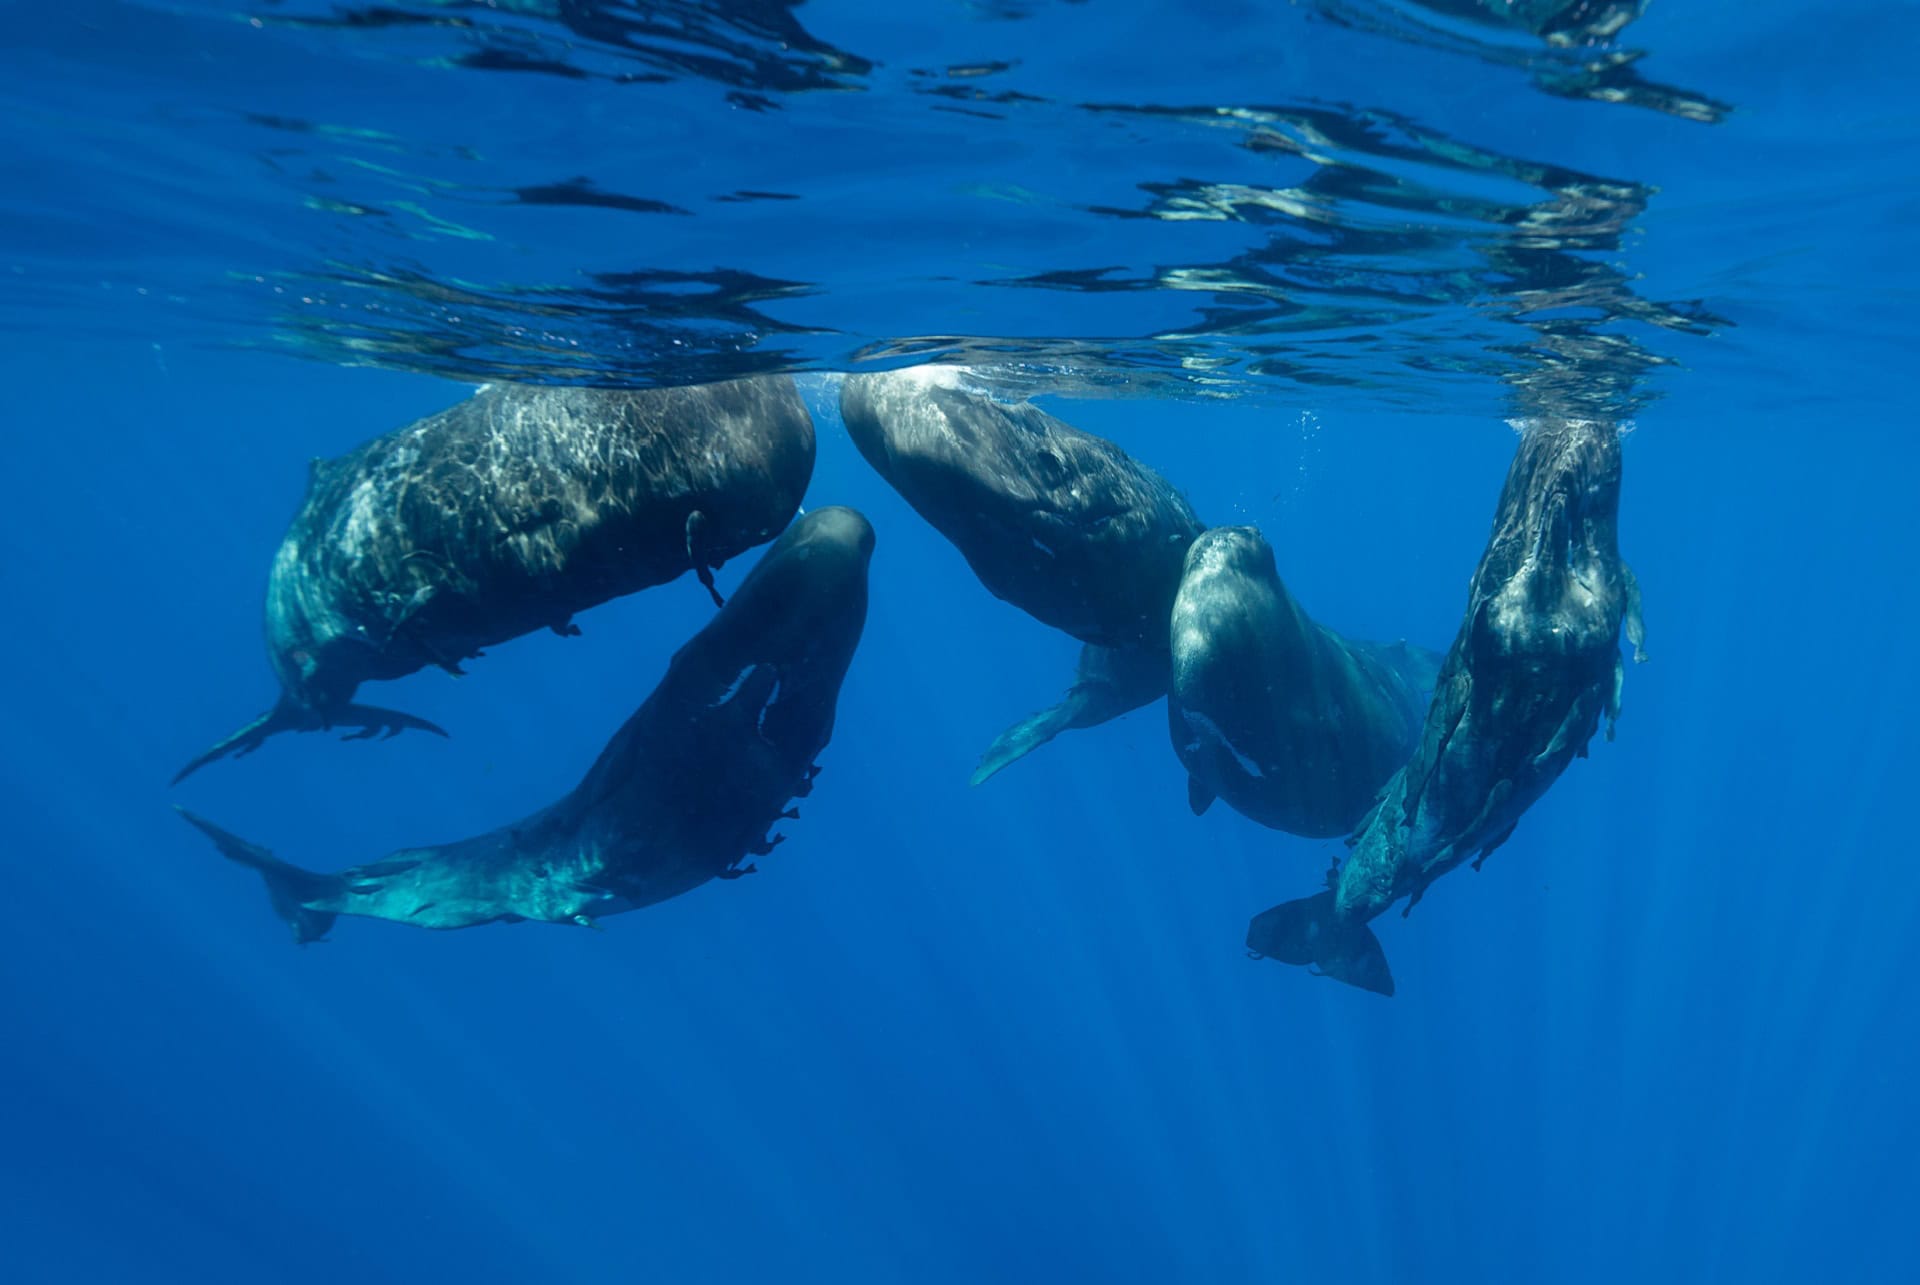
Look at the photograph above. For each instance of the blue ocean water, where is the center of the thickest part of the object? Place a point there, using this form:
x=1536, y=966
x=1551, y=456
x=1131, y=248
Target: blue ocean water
x=1306, y=260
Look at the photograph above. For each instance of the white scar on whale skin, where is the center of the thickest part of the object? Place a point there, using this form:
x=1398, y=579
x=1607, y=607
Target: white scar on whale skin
x=733, y=688
x=1201, y=724
x=773, y=698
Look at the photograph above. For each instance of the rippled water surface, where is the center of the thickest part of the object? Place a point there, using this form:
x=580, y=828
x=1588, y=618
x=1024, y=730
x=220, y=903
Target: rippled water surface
x=1308, y=260
x=1393, y=198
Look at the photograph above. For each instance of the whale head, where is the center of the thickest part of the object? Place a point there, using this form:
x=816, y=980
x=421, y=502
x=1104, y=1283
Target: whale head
x=788, y=633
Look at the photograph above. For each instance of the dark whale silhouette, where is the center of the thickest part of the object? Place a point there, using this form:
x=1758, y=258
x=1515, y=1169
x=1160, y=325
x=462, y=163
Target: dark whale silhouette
x=681, y=794
x=1535, y=667
x=506, y=514
x=1293, y=725
x=1061, y=523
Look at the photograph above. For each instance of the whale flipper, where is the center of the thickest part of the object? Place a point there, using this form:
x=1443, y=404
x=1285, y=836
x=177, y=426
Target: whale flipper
x=1199, y=797
x=1026, y=736
x=1307, y=932
x=286, y=717
x=1108, y=682
x=289, y=888
x=697, y=554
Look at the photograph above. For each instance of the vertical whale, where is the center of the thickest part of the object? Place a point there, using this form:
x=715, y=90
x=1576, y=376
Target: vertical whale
x=1534, y=670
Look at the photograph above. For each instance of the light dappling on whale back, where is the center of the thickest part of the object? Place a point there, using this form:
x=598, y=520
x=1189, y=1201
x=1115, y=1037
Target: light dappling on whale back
x=687, y=788
x=509, y=513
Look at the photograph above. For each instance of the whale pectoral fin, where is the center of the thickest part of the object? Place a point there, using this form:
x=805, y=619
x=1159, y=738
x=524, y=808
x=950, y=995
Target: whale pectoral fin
x=371, y=720
x=1493, y=844
x=284, y=717
x=1309, y=932
x=704, y=574
x=294, y=892
x=1108, y=682
x=426, y=592
x=1199, y=797
x=565, y=628
x=415, y=603
x=697, y=555
x=1635, y=624
x=1023, y=738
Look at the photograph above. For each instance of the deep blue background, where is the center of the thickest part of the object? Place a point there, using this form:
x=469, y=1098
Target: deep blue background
x=950, y=1033
x=1009, y=1033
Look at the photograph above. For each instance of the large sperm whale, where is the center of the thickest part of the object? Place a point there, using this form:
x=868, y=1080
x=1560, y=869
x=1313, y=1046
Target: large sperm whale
x=1534, y=669
x=1059, y=522
x=682, y=793
x=506, y=514
x=1293, y=725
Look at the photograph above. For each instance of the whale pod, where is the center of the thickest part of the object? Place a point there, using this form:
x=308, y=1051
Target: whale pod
x=686, y=790
x=506, y=514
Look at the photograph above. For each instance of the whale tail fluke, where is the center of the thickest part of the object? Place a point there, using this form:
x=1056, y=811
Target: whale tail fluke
x=1109, y=682
x=1308, y=932
x=367, y=720
x=289, y=888
x=243, y=742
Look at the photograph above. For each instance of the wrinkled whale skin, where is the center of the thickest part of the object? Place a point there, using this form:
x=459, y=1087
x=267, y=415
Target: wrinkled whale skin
x=1294, y=726
x=683, y=792
x=1059, y=522
x=1534, y=670
x=509, y=513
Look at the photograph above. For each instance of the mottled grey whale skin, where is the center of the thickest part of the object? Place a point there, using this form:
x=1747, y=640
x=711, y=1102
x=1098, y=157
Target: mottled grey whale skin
x=684, y=791
x=506, y=514
x=1535, y=667
x=1294, y=726
x=1059, y=522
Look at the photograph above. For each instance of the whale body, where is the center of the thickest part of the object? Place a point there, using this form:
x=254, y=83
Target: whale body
x=1534, y=670
x=509, y=513
x=684, y=792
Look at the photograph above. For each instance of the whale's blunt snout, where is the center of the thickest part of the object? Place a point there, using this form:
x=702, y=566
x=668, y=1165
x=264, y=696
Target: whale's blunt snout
x=840, y=530
x=829, y=549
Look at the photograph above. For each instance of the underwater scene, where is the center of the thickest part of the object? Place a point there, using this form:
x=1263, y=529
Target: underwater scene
x=961, y=641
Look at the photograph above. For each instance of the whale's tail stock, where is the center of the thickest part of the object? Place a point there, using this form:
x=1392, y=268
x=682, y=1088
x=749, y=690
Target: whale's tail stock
x=1308, y=932
x=289, y=888
x=290, y=716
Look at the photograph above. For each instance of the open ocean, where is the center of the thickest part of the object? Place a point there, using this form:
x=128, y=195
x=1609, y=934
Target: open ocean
x=1308, y=260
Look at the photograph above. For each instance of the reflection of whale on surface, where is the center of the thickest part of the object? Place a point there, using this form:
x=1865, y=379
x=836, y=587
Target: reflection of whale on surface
x=506, y=514
x=1293, y=725
x=1061, y=523
x=684, y=790
x=1534, y=668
